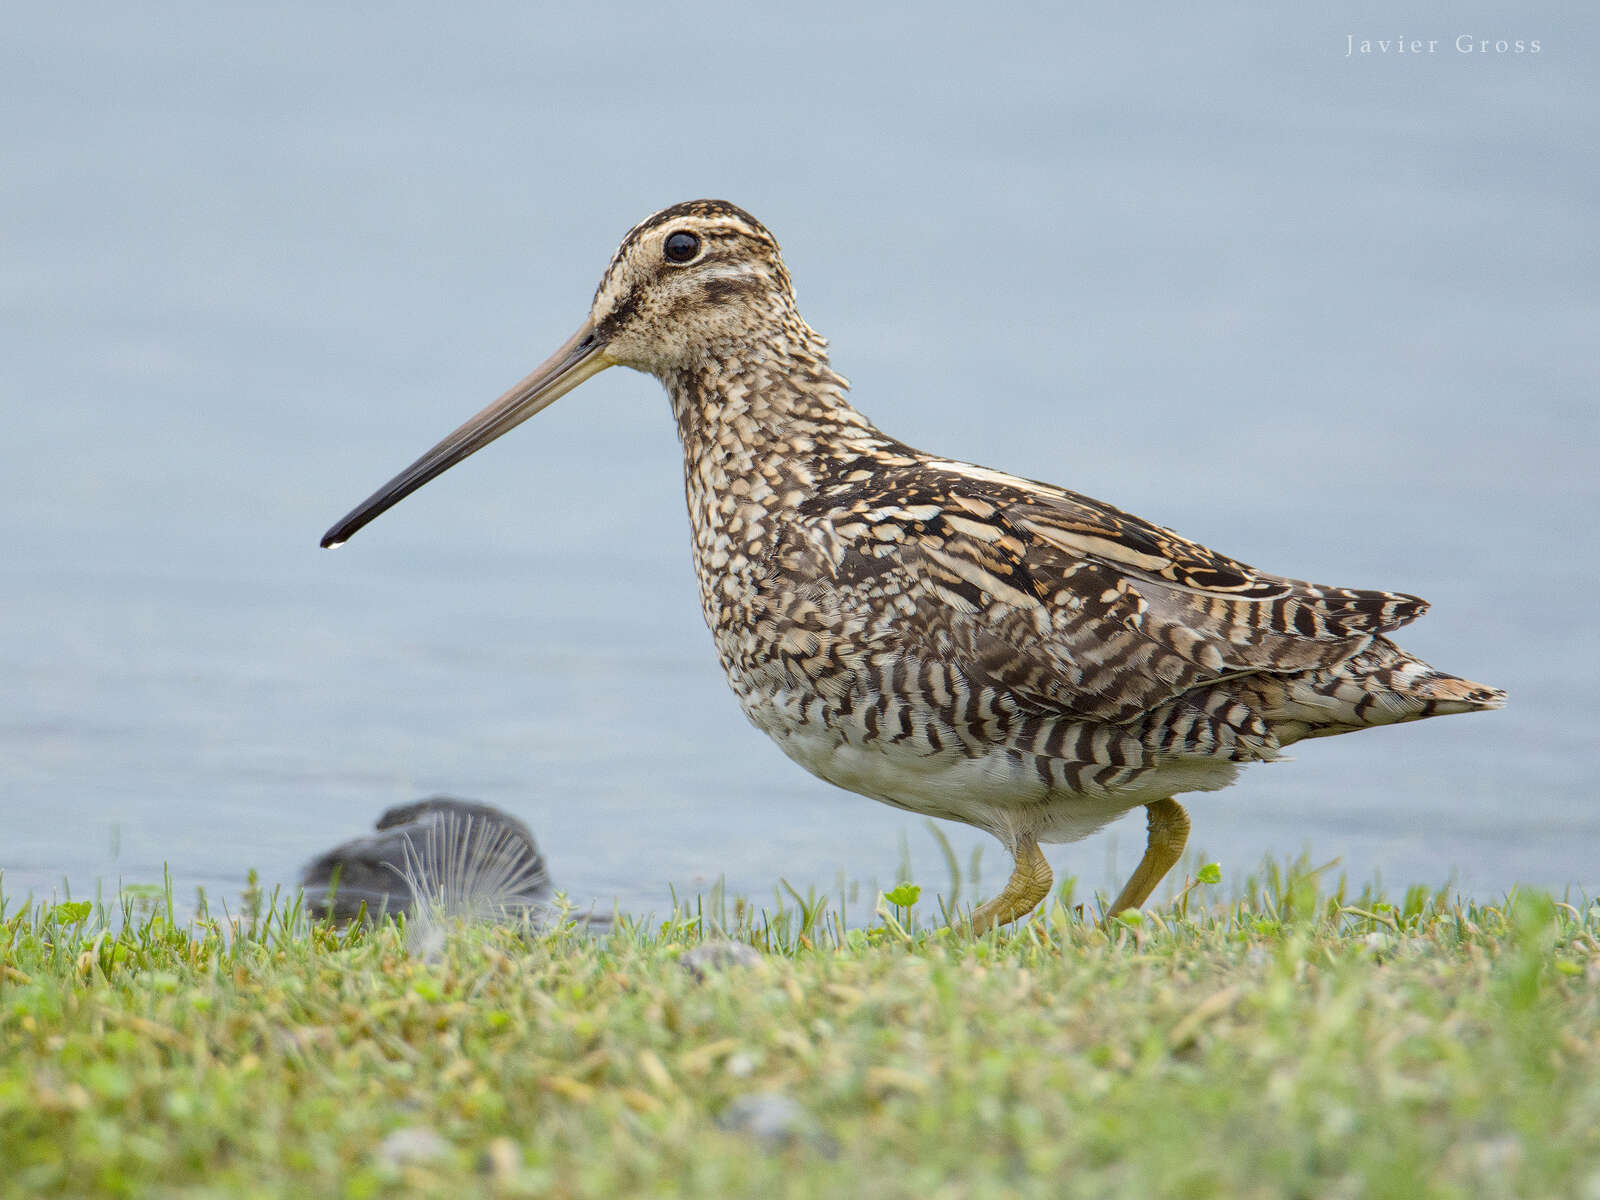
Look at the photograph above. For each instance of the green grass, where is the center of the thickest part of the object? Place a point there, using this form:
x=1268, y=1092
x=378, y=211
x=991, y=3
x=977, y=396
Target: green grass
x=1286, y=1043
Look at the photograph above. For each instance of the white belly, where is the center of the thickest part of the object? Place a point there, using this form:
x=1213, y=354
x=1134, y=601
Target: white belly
x=1000, y=791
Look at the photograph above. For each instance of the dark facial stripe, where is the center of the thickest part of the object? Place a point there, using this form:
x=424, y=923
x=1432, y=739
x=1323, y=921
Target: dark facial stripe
x=623, y=312
x=716, y=291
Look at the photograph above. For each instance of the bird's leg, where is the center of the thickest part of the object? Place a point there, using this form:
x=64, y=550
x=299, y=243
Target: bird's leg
x=1029, y=884
x=1169, y=831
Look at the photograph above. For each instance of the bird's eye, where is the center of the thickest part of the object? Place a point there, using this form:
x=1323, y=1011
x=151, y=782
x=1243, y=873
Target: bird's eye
x=680, y=247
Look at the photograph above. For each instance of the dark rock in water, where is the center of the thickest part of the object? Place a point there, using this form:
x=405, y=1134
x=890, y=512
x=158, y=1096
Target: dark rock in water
x=457, y=856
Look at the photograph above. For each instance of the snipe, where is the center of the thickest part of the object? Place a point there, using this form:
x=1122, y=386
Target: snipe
x=940, y=636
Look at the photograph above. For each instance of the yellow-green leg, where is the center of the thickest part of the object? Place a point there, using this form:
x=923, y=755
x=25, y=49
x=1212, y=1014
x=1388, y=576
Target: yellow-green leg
x=1029, y=884
x=1169, y=831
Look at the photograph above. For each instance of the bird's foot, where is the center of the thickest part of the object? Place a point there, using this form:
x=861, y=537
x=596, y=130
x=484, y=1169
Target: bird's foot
x=1169, y=833
x=1029, y=884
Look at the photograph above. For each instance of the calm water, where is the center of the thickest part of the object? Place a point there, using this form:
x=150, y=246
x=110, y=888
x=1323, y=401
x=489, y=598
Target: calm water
x=1336, y=316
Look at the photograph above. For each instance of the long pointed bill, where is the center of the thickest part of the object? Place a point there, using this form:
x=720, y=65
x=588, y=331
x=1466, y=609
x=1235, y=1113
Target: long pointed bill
x=582, y=356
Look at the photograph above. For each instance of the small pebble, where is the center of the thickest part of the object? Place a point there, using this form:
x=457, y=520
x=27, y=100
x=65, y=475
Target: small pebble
x=1498, y=1157
x=718, y=956
x=416, y=1144
x=773, y=1119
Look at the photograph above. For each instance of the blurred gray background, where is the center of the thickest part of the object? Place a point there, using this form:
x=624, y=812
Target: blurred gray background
x=1333, y=314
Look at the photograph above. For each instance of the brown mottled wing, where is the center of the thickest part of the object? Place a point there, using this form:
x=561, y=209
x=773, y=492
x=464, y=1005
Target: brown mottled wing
x=1058, y=602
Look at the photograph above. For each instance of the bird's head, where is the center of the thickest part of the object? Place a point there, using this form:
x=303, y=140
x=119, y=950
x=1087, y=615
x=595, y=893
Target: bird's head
x=688, y=282
x=696, y=281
